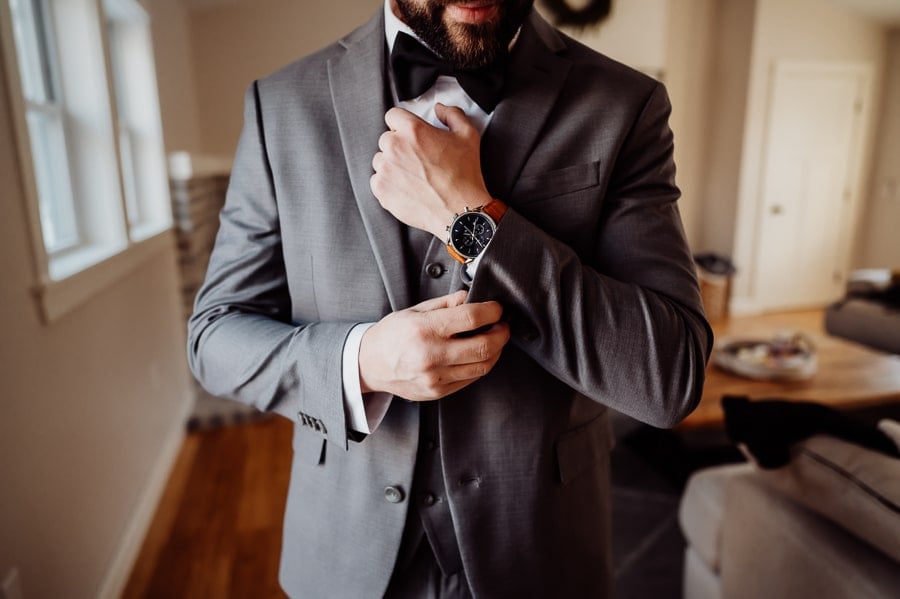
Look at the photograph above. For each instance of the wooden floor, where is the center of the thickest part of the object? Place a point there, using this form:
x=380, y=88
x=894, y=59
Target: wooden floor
x=217, y=530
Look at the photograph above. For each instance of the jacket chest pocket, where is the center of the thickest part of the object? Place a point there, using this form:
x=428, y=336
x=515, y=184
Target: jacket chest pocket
x=565, y=203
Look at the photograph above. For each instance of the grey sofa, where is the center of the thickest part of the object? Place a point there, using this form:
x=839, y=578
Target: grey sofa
x=870, y=312
x=825, y=526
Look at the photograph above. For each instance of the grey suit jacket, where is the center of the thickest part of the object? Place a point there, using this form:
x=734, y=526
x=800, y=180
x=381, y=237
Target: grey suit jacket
x=590, y=263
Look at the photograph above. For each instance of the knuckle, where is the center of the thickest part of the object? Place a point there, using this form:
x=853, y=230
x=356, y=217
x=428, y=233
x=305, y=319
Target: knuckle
x=427, y=362
x=376, y=182
x=432, y=381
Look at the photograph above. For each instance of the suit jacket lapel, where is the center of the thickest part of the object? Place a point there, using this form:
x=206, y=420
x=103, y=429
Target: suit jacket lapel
x=536, y=76
x=360, y=95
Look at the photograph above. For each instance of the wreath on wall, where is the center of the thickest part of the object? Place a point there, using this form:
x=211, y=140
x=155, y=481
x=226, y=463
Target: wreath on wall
x=588, y=15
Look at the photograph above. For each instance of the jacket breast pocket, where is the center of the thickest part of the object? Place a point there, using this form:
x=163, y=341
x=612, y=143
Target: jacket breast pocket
x=565, y=203
x=543, y=186
x=584, y=448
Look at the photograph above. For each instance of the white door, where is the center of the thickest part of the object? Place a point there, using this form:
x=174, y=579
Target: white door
x=809, y=183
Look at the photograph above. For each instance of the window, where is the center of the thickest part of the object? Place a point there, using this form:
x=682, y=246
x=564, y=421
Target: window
x=140, y=144
x=44, y=113
x=89, y=131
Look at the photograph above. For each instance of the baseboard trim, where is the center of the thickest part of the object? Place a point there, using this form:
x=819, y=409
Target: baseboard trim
x=130, y=545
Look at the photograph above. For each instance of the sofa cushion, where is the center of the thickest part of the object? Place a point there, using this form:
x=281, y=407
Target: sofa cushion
x=854, y=487
x=774, y=547
x=865, y=321
x=701, y=509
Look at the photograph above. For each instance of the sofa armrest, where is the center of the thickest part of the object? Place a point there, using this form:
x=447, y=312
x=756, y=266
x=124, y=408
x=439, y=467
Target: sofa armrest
x=856, y=488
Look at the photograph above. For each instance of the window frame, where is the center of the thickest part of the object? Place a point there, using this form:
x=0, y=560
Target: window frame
x=66, y=278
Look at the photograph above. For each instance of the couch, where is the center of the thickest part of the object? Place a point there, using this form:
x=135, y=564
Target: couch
x=826, y=525
x=870, y=312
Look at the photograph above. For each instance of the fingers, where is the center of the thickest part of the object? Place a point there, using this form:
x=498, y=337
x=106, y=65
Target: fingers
x=445, y=301
x=479, y=352
x=399, y=119
x=460, y=362
x=453, y=320
x=455, y=119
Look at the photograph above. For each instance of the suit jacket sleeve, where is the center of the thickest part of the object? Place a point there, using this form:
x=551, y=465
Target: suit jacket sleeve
x=241, y=341
x=624, y=326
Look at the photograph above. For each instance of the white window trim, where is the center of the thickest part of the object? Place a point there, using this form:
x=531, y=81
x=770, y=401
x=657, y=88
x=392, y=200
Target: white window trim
x=99, y=267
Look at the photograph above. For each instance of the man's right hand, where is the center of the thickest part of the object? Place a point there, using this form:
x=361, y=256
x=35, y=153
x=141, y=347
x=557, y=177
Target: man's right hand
x=417, y=354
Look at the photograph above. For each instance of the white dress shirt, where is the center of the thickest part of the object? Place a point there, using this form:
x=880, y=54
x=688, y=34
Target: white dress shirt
x=365, y=412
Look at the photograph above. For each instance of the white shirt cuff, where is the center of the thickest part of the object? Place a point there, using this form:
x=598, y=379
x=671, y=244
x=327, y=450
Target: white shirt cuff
x=364, y=413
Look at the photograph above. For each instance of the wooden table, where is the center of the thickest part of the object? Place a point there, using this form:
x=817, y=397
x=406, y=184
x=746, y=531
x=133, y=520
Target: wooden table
x=849, y=375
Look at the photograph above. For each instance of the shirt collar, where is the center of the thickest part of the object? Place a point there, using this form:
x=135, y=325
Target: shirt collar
x=393, y=26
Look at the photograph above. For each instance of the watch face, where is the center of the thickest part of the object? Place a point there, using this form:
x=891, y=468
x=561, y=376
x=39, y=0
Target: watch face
x=471, y=233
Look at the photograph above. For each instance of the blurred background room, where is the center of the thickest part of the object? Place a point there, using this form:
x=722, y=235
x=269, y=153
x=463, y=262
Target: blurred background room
x=118, y=121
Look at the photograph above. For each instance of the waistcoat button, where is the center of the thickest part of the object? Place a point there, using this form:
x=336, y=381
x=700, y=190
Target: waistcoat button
x=393, y=494
x=435, y=270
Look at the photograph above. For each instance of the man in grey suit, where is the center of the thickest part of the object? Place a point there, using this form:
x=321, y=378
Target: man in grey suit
x=451, y=397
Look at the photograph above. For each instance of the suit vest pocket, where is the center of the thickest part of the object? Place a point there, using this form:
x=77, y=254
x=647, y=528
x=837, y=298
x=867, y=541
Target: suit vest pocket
x=581, y=449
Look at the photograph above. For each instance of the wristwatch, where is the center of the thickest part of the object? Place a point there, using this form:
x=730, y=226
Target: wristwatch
x=471, y=231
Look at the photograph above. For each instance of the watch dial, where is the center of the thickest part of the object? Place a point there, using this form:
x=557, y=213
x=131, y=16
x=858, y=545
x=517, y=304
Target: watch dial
x=470, y=234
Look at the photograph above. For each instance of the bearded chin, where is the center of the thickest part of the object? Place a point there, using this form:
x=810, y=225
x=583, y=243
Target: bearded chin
x=465, y=46
x=473, y=46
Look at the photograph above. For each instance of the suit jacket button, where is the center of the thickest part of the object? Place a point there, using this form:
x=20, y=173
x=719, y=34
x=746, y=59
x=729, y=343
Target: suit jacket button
x=435, y=270
x=393, y=494
x=429, y=499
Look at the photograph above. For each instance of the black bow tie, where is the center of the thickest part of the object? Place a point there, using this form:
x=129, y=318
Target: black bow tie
x=416, y=68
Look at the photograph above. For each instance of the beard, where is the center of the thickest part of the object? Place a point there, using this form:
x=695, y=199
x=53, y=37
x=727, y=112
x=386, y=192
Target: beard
x=465, y=46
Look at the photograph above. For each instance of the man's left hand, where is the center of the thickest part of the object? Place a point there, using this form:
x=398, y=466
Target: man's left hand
x=425, y=175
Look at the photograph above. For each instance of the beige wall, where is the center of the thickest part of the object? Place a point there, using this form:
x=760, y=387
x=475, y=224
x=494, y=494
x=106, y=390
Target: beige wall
x=236, y=42
x=91, y=408
x=688, y=73
x=812, y=30
x=724, y=125
x=635, y=33
x=879, y=247
x=175, y=74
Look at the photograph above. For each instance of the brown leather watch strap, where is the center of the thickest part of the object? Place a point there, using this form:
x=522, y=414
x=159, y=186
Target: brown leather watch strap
x=495, y=209
x=455, y=255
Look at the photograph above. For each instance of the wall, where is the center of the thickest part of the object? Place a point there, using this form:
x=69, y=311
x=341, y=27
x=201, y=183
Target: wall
x=634, y=33
x=92, y=408
x=236, y=42
x=880, y=246
x=798, y=30
x=688, y=74
x=733, y=44
x=175, y=74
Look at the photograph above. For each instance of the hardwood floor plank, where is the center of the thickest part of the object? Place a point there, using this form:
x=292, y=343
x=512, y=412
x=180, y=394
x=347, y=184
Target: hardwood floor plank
x=163, y=521
x=217, y=530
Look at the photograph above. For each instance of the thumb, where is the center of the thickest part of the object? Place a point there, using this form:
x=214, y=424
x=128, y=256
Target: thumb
x=445, y=301
x=455, y=119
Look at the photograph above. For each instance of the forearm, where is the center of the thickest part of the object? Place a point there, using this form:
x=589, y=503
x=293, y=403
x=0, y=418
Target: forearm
x=276, y=367
x=637, y=348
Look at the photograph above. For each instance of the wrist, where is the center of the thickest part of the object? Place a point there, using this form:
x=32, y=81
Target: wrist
x=366, y=384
